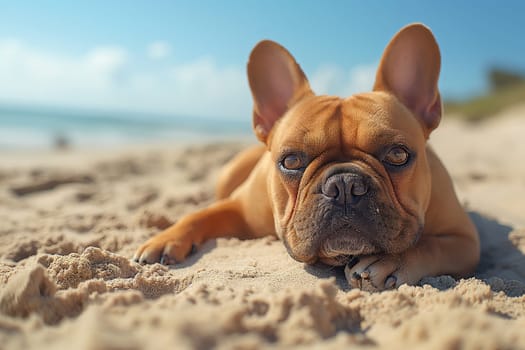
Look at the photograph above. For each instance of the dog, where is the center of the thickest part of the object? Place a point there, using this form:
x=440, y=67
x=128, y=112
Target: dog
x=345, y=181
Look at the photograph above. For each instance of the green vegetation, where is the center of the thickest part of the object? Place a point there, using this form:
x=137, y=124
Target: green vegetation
x=506, y=89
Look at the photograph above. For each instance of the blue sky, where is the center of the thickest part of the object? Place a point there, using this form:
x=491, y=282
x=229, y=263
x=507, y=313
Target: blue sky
x=188, y=57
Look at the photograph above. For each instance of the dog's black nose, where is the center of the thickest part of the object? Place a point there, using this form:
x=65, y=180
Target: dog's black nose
x=345, y=188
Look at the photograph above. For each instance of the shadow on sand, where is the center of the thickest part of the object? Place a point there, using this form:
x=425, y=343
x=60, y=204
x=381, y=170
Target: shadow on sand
x=502, y=263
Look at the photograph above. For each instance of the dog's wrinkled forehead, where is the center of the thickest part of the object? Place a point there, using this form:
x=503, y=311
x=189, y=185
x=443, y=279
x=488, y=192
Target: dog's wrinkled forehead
x=321, y=122
x=380, y=117
x=314, y=121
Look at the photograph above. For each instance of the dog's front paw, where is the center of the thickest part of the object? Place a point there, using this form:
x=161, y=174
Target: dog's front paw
x=165, y=248
x=376, y=272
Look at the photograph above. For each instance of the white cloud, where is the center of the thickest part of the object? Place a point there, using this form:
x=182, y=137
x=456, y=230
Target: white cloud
x=158, y=50
x=324, y=79
x=361, y=79
x=105, y=78
x=106, y=59
x=35, y=76
x=333, y=80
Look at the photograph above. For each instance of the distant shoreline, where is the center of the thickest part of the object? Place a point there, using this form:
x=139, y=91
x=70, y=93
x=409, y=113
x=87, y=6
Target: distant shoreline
x=31, y=129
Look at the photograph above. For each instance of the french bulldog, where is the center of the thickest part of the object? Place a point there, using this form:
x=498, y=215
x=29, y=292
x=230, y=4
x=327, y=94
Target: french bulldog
x=344, y=181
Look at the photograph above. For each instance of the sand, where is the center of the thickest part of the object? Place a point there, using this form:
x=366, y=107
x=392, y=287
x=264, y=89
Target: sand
x=70, y=221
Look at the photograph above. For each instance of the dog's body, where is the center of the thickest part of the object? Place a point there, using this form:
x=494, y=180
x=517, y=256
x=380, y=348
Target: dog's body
x=344, y=181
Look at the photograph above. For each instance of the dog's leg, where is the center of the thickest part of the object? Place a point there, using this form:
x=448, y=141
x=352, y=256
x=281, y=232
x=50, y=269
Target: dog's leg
x=221, y=219
x=456, y=255
x=237, y=170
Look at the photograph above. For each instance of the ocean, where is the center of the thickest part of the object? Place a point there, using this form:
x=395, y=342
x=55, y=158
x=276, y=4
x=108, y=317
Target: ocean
x=41, y=128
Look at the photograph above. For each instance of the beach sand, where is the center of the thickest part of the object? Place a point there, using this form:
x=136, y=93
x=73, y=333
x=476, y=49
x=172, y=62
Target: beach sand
x=71, y=220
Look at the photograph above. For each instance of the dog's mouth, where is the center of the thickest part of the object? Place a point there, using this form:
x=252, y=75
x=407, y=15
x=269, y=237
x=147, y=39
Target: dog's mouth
x=339, y=253
x=339, y=260
x=334, y=249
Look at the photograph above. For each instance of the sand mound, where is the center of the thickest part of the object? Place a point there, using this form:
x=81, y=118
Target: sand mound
x=71, y=221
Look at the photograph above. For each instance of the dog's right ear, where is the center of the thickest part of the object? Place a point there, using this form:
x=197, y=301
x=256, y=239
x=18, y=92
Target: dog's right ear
x=276, y=82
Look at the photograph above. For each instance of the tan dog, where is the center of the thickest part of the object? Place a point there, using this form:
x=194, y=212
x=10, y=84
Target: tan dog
x=344, y=181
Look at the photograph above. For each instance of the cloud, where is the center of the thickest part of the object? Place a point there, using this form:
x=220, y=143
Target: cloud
x=325, y=78
x=107, y=59
x=361, y=78
x=34, y=76
x=158, y=50
x=106, y=78
x=333, y=80
x=200, y=88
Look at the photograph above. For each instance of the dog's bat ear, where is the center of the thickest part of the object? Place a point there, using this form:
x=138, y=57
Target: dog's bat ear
x=410, y=69
x=276, y=82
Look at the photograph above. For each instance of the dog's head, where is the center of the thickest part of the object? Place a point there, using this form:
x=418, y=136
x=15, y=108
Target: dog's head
x=351, y=175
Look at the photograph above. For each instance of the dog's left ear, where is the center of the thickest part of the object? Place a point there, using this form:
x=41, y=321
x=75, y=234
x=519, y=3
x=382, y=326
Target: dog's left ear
x=410, y=69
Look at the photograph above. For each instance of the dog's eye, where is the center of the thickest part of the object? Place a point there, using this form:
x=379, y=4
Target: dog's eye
x=397, y=156
x=292, y=162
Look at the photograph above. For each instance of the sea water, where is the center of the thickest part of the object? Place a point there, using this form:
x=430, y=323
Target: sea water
x=41, y=128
